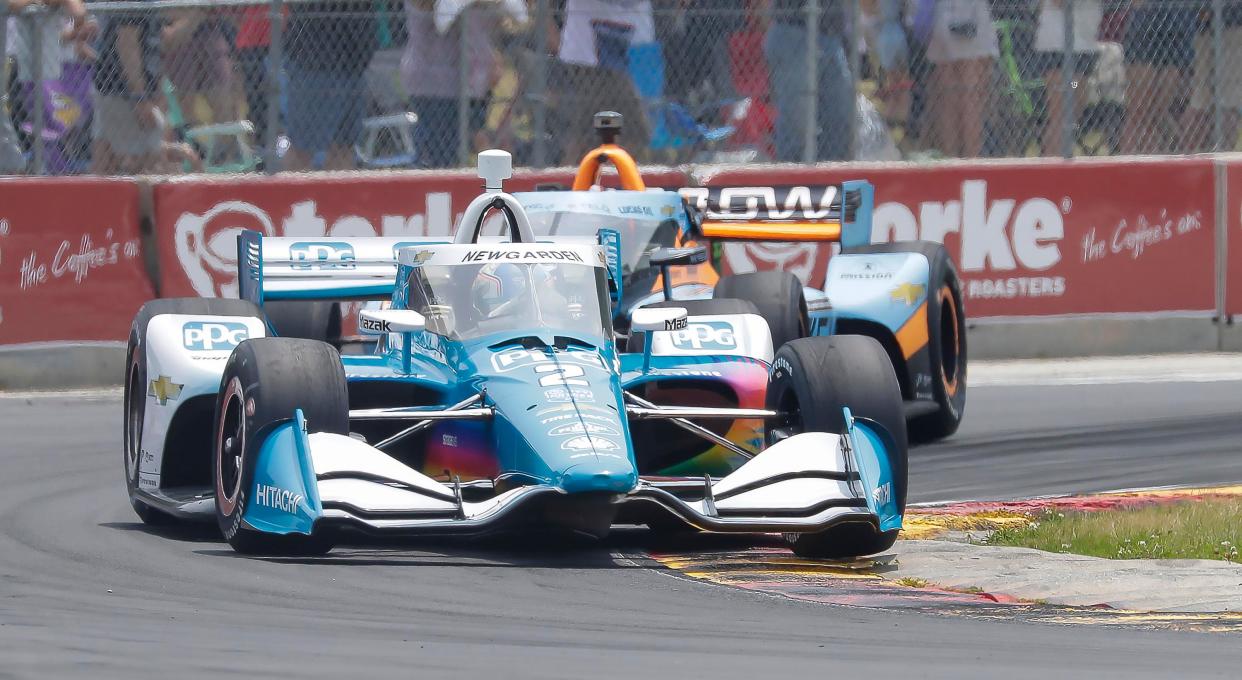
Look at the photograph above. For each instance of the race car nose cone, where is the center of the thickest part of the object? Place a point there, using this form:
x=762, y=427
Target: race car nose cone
x=599, y=476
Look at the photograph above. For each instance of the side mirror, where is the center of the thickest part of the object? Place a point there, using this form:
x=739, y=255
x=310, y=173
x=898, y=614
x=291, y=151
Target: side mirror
x=440, y=319
x=672, y=257
x=658, y=319
x=382, y=321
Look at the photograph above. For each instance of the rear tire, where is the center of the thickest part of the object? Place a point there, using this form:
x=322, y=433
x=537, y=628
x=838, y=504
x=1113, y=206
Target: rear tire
x=264, y=381
x=307, y=320
x=812, y=379
x=779, y=298
x=946, y=339
x=136, y=384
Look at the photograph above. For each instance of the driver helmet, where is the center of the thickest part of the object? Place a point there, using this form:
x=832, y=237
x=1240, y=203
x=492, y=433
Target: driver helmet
x=495, y=286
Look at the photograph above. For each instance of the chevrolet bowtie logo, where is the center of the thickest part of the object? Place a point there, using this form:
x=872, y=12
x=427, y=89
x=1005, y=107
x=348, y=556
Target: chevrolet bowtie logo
x=909, y=293
x=164, y=389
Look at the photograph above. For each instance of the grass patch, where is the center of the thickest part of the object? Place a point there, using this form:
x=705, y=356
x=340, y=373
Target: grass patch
x=1209, y=528
x=912, y=582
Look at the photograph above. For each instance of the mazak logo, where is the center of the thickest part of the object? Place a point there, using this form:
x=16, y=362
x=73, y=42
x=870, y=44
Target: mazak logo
x=213, y=336
x=997, y=235
x=374, y=326
x=321, y=255
x=705, y=335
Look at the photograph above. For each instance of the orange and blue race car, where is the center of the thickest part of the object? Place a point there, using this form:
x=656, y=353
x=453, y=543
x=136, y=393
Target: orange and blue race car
x=905, y=295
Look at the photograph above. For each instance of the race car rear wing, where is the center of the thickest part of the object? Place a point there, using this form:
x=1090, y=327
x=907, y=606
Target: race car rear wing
x=293, y=268
x=786, y=213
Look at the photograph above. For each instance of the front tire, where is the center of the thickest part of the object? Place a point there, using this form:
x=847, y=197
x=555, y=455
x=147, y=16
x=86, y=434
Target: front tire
x=779, y=298
x=136, y=382
x=812, y=379
x=264, y=382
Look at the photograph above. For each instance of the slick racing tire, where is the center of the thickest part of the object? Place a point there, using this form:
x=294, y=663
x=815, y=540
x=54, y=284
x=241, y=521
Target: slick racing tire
x=811, y=380
x=314, y=320
x=946, y=339
x=779, y=298
x=264, y=381
x=709, y=307
x=136, y=382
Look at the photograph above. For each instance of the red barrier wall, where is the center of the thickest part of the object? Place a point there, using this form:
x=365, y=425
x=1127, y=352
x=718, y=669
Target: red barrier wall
x=1233, y=234
x=70, y=259
x=1031, y=239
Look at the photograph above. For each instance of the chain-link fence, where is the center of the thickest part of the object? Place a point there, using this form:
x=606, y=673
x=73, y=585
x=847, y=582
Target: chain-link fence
x=118, y=87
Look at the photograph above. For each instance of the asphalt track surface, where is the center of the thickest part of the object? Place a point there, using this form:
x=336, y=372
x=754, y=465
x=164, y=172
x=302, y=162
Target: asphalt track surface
x=86, y=591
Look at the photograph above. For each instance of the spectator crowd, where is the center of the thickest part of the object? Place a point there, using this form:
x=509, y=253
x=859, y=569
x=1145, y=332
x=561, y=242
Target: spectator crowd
x=100, y=87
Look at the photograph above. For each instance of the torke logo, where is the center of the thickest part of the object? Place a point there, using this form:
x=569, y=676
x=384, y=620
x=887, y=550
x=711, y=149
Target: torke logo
x=213, y=336
x=321, y=255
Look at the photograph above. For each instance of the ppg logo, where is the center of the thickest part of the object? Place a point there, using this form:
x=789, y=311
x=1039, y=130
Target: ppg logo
x=321, y=255
x=214, y=336
x=709, y=335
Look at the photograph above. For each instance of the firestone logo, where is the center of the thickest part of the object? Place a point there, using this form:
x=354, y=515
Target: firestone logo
x=206, y=243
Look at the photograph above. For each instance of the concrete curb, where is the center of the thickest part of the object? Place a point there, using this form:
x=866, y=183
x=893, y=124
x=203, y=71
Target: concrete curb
x=1095, y=335
x=58, y=366
x=955, y=562
x=1072, y=580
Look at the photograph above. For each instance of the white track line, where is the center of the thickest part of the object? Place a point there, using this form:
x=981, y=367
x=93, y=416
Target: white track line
x=95, y=394
x=1134, y=489
x=1161, y=368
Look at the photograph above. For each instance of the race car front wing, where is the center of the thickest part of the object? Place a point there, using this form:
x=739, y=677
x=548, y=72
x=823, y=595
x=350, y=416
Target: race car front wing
x=806, y=483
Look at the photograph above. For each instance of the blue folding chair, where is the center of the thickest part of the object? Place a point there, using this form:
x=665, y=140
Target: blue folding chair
x=672, y=125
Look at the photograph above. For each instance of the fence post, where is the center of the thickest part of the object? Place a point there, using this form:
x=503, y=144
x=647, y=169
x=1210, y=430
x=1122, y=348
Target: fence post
x=809, y=141
x=538, y=92
x=275, y=89
x=36, y=80
x=1218, y=47
x=1069, y=108
x=463, y=89
x=852, y=43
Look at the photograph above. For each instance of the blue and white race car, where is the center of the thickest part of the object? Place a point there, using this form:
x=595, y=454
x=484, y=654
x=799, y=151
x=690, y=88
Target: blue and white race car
x=497, y=398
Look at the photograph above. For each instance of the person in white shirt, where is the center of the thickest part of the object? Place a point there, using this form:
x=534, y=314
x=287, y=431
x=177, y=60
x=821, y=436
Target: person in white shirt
x=1207, y=93
x=962, y=47
x=1050, y=48
x=593, y=71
